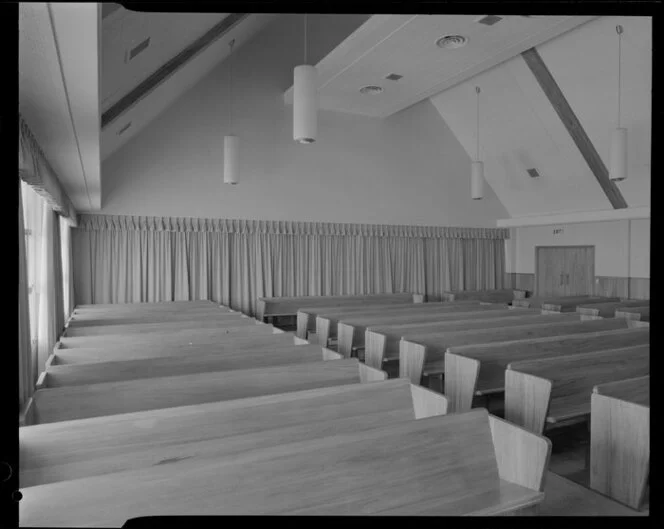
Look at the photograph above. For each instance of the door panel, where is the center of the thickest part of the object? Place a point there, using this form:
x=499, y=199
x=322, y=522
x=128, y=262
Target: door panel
x=565, y=270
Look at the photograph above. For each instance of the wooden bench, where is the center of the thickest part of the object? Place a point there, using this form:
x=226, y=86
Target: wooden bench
x=537, y=302
x=306, y=318
x=569, y=306
x=102, y=331
x=424, y=354
x=124, y=319
x=288, y=306
x=199, y=345
x=549, y=392
x=464, y=464
x=479, y=370
x=95, y=400
x=607, y=310
x=73, y=450
x=620, y=440
x=166, y=366
x=325, y=323
x=505, y=295
x=167, y=336
x=634, y=313
x=382, y=341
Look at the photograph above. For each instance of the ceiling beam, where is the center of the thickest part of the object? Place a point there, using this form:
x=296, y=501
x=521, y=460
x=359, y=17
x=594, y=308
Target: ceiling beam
x=573, y=126
x=168, y=68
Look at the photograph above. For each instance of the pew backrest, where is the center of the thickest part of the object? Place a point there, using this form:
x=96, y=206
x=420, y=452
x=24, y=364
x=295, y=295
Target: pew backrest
x=634, y=313
x=156, y=327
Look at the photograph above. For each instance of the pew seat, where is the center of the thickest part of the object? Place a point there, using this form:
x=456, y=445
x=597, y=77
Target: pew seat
x=110, y=398
x=479, y=369
x=428, y=466
x=91, y=447
x=546, y=393
x=620, y=440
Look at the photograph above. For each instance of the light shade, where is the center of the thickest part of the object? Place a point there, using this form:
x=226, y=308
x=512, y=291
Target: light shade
x=618, y=166
x=305, y=104
x=231, y=159
x=477, y=181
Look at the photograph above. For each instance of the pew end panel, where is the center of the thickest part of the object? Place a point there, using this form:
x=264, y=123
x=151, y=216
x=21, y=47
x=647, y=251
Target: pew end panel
x=302, y=324
x=260, y=310
x=461, y=374
x=370, y=374
x=323, y=331
x=345, y=335
x=374, y=348
x=522, y=456
x=619, y=449
x=427, y=403
x=312, y=337
x=411, y=360
x=527, y=399
x=419, y=298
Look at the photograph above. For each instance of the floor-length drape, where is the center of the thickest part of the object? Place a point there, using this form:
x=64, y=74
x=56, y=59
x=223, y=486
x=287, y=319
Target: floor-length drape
x=147, y=259
x=67, y=267
x=27, y=363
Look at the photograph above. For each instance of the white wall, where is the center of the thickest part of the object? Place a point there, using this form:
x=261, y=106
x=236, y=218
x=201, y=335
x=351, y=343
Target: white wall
x=620, y=251
x=406, y=169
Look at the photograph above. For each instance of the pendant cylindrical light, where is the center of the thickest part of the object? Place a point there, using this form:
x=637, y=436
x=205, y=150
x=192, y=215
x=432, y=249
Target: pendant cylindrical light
x=618, y=157
x=477, y=173
x=305, y=95
x=231, y=159
x=231, y=142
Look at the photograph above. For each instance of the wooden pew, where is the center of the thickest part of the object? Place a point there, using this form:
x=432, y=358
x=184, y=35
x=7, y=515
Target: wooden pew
x=432, y=462
x=505, y=295
x=327, y=323
x=634, y=313
x=124, y=319
x=231, y=343
x=479, y=369
x=288, y=306
x=381, y=338
x=306, y=318
x=102, y=331
x=166, y=366
x=568, y=305
x=542, y=394
x=95, y=400
x=620, y=439
x=140, y=308
x=424, y=354
x=72, y=449
x=158, y=304
x=607, y=310
x=167, y=336
x=537, y=302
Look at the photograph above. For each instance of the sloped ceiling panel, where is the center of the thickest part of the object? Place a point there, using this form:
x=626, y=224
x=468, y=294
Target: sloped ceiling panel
x=520, y=129
x=585, y=65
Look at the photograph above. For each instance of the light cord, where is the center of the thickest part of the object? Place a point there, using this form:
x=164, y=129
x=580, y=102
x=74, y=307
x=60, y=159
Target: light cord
x=230, y=111
x=619, y=30
x=305, y=38
x=477, y=89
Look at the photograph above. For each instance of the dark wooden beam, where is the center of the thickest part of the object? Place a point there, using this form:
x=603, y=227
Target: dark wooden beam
x=573, y=126
x=170, y=67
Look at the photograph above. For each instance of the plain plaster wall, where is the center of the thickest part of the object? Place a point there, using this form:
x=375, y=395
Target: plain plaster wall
x=405, y=169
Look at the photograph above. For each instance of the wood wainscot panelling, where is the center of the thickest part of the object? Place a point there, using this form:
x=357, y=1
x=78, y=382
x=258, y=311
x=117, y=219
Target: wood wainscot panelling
x=520, y=281
x=632, y=288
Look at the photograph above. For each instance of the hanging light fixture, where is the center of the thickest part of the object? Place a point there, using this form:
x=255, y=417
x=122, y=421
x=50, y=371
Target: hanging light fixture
x=231, y=142
x=477, y=174
x=305, y=106
x=618, y=160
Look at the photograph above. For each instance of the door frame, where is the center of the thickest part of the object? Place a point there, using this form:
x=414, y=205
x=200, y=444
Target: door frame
x=563, y=246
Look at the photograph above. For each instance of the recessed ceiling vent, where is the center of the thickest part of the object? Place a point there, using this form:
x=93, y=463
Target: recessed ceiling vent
x=137, y=49
x=394, y=77
x=450, y=42
x=489, y=20
x=371, y=90
x=124, y=128
x=533, y=173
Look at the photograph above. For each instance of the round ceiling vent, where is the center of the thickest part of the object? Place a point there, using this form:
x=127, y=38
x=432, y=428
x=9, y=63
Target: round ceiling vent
x=451, y=42
x=371, y=90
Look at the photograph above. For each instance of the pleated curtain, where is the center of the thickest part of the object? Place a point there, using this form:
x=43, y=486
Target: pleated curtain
x=27, y=362
x=123, y=259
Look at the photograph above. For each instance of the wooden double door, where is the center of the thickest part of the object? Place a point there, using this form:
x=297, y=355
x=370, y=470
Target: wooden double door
x=564, y=270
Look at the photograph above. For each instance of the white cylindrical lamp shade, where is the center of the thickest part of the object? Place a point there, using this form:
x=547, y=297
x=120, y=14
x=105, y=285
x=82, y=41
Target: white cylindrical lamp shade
x=618, y=166
x=231, y=159
x=477, y=180
x=305, y=104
